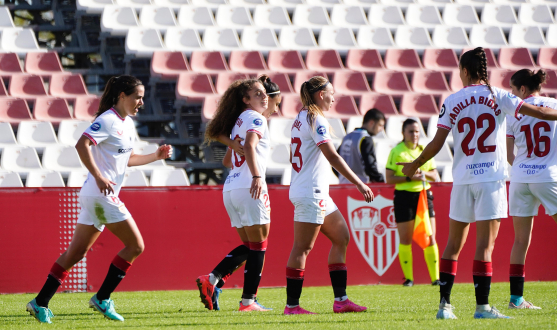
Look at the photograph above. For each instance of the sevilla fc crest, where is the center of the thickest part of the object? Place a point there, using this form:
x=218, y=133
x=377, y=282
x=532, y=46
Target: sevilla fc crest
x=373, y=227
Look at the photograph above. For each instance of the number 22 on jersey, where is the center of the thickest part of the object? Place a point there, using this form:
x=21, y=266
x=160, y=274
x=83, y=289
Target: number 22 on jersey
x=480, y=123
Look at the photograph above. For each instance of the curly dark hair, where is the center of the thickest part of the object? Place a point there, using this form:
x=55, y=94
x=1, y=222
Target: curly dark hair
x=532, y=81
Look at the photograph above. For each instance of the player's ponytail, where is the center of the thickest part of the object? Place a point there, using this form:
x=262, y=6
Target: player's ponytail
x=475, y=62
x=309, y=88
x=527, y=78
x=116, y=85
x=271, y=88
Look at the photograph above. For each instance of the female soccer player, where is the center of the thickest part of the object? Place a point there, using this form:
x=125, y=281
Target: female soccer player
x=533, y=174
x=106, y=149
x=274, y=98
x=242, y=113
x=407, y=194
x=312, y=154
x=477, y=112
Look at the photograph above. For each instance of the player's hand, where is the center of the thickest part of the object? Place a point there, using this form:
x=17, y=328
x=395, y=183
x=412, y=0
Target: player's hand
x=164, y=151
x=237, y=146
x=418, y=177
x=365, y=191
x=105, y=185
x=256, y=188
x=409, y=169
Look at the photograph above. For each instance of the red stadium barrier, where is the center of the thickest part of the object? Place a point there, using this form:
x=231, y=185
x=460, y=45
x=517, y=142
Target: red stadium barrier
x=187, y=231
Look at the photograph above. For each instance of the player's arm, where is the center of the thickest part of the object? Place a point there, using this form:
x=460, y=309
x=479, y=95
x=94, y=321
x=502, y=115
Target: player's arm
x=340, y=165
x=409, y=169
x=394, y=179
x=234, y=144
x=163, y=152
x=510, y=150
x=227, y=160
x=542, y=113
x=432, y=175
x=84, y=152
x=252, y=139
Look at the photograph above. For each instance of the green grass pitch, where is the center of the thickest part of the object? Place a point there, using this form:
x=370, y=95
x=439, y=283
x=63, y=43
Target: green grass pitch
x=390, y=307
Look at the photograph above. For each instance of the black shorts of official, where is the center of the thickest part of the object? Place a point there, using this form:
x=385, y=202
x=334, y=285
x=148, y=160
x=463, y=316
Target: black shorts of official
x=406, y=204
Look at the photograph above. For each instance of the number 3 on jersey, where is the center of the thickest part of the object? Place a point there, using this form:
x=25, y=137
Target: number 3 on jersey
x=297, y=161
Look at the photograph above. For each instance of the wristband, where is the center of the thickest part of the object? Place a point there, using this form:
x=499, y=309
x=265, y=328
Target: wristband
x=256, y=177
x=408, y=179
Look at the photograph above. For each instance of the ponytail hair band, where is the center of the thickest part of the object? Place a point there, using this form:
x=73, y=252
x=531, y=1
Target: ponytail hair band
x=277, y=92
x=317, y=89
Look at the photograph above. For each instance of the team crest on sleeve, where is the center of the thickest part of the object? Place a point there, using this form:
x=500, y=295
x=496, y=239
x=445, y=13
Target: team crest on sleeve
x=258, y=122
x=95, y=127
x=442, y=112
x=321, y=130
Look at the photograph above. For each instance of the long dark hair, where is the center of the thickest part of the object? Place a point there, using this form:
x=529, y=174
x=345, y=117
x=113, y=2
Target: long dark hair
x=475, y=61
x=112, y=90
x=532, y=81
x=231, y=105
x=310, y=87
x=407, y=123
x=271, y=88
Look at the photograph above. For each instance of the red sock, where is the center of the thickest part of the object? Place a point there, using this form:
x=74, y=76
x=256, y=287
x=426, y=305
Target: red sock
x=121, y=264
x=59, y=273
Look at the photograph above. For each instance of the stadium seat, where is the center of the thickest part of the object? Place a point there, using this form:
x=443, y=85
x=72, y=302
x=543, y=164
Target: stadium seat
x=211, y=4
x=250, y=4
x=353, y=123
x=198, y=18
x=364, y=60
x=26, y=86
x=447, y=174
x=340, y=39
x=406, y=60
x=44, y=179
x=167, y=65
x=438, y=3
x=259, y=39
x=364, y=3
x=551, y=36
x=67, y=85
x=175, y=5
x=149, y=149
x=343, y=108
x=550, y=85
x=282, y=80
x=311, y=17
x=290, y=106
x=290, y=5
x=279, y=159
x=20, y=159
x=135, y=178
x=487, y=36
x=3, y=91
x=440, y=60
x=328, y=4
x=382, y=102
x=272, y=17
x=70, y=131
x=432, y=125
x=337, y=130
x=279, y=130
x=393, y=127
x=85, y=107
x=426, y=16
x=303, y=76
x=143, y=42
x=418, y=105
x=324, y=60
x=429, y=82
x=531, y=14
x=249, y=62
x=455, y=83
x=221, y=39
x=490, y=56
x=185, y=40
x=401, y=3
x=224, y=79
x=117, y=20
x=10, y=180
x=348, y=16
x=14, y=110
x=7, y=137
x=501, y=78
x=385, y=16
x=391, y=82
x=234, y=17
x=477, y=4
x=138, y=5
x=20, y=41
x=297, y=38
x=77, y=178
x=501, y=15
x=208, y=62
x=160, y=18
x=458, y=15
x=350, y=83
x=287, y=61
x=36, y=134
x=169, y=178
x=63, y=159
x=526, y=36
x=6, y=20
x=52, y=109
x=43, y=64
x=9, y=64
x=378, y=38
x=194, y=86
x=547, y=58
x=450, y=37
x=516, y=58
x=209, y=108
x=93, y=6
x=412, y=37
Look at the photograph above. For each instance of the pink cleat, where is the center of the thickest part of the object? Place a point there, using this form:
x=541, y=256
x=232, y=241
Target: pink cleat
x=254, y=307
x=296, y=310
x=347, y=307
x=206, y=290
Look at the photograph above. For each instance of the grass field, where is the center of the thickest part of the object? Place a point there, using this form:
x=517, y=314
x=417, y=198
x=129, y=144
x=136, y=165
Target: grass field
x=390, y=307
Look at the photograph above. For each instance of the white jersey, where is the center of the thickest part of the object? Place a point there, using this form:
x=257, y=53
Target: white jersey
x=310, y=168
x=113, y=138
x=536, y=159
x=240, y=175
x=480, y=150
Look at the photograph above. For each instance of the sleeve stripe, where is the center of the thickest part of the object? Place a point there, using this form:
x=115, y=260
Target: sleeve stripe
x=90, y=138
x=510, y=136
x=443, y=126
x=321, y=142
x=518, y=109
x=256, y=132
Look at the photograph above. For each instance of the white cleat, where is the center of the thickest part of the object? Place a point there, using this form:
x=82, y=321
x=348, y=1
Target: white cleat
x=445, y=311
x=486, y=312
x=524, y=305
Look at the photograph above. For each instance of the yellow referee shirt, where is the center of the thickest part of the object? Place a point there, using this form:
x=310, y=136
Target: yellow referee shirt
x=401, y=154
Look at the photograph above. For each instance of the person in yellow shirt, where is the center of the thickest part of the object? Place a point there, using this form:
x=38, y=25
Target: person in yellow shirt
x=405, y=202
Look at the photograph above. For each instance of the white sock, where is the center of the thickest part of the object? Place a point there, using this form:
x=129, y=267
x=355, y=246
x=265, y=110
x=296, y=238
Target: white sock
x=343, y=298
x=247, y=302
x=213, y=279
x=483, y=307
x=292, y=306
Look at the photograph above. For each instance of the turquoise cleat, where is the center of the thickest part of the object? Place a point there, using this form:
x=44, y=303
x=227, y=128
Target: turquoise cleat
x=106, y=308
x=42, y=314
x=216, y=295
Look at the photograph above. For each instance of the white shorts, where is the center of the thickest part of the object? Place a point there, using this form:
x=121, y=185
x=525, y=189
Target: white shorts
x=100, y=210
x=525, y=198
x=312, y=210
x=479, y=201
x=244, y=211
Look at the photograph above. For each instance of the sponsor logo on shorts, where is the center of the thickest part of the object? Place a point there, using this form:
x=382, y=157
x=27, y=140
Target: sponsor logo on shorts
x=321, y=130
x=95, y=127
x=258, y=122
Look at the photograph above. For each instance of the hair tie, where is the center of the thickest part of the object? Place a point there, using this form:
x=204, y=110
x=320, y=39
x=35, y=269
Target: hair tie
x=316, y=89
x=271, y=93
